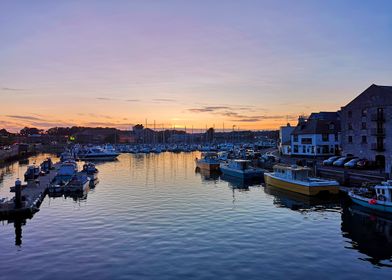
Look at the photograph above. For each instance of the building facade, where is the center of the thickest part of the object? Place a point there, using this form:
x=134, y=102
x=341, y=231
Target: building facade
x=367, y=126
x=284, y=142
x=316, y=136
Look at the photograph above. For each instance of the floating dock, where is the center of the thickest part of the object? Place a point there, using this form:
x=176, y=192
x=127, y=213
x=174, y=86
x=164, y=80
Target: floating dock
x=28, y=197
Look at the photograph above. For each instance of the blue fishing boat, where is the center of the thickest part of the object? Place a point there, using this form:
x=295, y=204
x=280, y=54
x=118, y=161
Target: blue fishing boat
x=379, y=198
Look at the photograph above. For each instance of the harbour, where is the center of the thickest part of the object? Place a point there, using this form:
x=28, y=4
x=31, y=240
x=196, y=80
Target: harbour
x=158, y=205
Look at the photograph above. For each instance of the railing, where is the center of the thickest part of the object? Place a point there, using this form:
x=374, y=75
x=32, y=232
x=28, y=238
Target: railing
x=378, y=147
x=378, y=117
x=378, y=131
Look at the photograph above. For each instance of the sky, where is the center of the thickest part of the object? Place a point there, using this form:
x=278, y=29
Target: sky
x=244, y=64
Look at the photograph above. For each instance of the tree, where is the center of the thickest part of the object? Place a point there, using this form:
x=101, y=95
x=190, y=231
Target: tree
x=30, y=131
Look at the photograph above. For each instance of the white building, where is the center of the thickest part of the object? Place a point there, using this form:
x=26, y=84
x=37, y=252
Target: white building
x=284, y=145
x=319, y=135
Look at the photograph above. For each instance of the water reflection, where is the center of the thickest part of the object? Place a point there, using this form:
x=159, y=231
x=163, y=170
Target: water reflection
x=299, y=202
x=207, y=175
x=241, y=184
x=369, y=233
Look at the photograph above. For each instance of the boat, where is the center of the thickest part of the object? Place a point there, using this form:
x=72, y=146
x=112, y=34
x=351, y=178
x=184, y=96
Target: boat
x=90, y=171
x=378, y=198
x=47, y=165
x=65, y=173
x=78, y=183
x=242, y=169
x=208, y=161
x=97, y=153
x=32, y=172
x=297, y=179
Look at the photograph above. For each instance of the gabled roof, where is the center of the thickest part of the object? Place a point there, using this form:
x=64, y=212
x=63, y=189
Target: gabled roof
x=317, y=126
x=374, y=95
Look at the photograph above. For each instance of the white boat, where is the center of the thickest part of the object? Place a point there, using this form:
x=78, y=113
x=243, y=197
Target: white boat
x=379, y=199
x=97, y=153
x=90, y=171
x=65, y=173
x=241, y=169
x=78, y=183
x=209, y=161
x=296, y=179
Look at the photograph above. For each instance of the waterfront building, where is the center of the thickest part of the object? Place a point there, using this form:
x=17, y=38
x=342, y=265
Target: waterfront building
x=367, y=126
x=318, y=135
x=284, y=142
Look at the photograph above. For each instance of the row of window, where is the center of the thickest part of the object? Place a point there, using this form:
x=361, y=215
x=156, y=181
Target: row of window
x=363, y=126
x=363, y=139
x=325, y=149
x=324, y=137
x=364, y=112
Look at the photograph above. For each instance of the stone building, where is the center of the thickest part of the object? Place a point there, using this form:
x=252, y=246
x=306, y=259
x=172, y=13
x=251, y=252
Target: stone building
x=367, y=126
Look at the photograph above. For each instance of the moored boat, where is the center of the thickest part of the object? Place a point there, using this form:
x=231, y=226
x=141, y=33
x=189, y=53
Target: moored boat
x=32, y=172
x=379, y=198
x=297, y=179
x=242, y=169
x=208, y=161
x=78, y=183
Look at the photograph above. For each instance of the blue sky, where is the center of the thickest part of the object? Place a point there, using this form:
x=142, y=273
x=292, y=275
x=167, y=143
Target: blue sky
x=194, y=63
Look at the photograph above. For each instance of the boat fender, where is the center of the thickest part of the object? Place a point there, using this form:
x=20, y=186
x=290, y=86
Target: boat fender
x=372, y=201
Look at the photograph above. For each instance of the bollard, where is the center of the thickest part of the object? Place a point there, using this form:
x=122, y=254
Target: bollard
x=18, y=194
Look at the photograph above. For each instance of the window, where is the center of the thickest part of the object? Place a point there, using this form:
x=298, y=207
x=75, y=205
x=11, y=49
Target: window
x=350, y=126
x=295, y=148
x=331, y=126
x=364, y=113
x=350, y=139
x=325, y=137
x=363, y=125
x=295, y=138
x=306, y=141
x=336, y=137
x=350, y=114
x=364, y=139
x=304, y=149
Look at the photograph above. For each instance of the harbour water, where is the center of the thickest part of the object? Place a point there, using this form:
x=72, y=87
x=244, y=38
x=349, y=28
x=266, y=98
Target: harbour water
x=153, y=217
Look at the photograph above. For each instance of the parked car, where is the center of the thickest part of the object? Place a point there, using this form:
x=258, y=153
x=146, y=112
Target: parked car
x=366, y=164
x=352, y=163
x=330, y=160
x=341, y=161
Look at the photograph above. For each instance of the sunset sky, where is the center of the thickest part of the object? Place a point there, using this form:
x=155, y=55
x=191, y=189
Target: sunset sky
x=253, y=64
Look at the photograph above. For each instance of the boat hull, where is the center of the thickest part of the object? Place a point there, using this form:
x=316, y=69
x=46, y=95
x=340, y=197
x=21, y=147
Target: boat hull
x=208, y=166
x=298, y=188
x=240, y=174
x=364, y=202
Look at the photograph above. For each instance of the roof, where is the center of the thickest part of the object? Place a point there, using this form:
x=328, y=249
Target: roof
x=373, y=95
x=317, y=126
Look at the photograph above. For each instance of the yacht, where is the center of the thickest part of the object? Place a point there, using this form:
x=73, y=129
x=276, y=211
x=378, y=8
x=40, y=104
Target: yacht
x=241, y=169
x=97, y=153
x=208, y=161
x=296, y=179
x=379, y=198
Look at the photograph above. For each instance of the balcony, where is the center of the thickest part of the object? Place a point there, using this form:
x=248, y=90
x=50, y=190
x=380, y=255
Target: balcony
x=380, y=132
x=377, y=117
x=378, y=147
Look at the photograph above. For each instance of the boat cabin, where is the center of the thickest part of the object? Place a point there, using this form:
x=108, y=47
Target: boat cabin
x=384, y=191
x=240, y=164
x=293, y=172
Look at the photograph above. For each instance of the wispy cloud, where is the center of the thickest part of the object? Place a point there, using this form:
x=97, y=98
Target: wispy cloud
x=12, y=89
x=21, y=117
x=206, y=109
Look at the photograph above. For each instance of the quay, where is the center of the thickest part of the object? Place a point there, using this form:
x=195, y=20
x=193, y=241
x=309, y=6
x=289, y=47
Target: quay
x=28, y=197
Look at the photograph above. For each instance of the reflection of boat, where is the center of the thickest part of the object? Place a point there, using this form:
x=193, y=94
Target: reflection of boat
x=297, y=179
x=208, y=175
x=241, y=169
x=32, y=172
x=299, y=202
x=370, y=234
x=241, y=184
x=208, y=161
x=379, y=198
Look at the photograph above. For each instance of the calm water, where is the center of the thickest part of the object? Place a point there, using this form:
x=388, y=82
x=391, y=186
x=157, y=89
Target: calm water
x=153, y=217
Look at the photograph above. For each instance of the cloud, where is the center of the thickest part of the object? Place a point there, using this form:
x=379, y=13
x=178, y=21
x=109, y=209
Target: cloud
x=21, y=117
x=104, y=98
x=12, y=89
x=208, y=109
x=132, y=100
x=164, y=100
